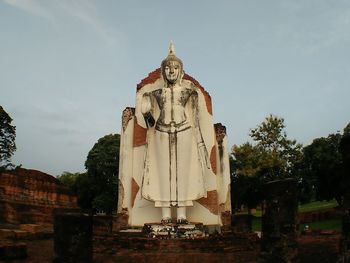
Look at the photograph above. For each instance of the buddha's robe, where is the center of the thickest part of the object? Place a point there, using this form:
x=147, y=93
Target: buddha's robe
x=176, y=157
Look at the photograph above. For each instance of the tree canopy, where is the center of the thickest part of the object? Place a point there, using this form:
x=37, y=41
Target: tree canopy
x=102, y=166
x=247, y=159
x=272, y=156
x=279, y=156
x=346, y=130
x=97, y=189
x=82, y=185
x=322, y=163
x=68, y=179
x=7, y=139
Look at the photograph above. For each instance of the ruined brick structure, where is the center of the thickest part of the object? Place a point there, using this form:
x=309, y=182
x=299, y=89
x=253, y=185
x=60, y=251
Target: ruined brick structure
x=345, y=240
x=30, y=196
x=279, y=222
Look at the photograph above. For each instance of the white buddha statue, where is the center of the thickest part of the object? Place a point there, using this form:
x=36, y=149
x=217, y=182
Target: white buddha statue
x=176, y=156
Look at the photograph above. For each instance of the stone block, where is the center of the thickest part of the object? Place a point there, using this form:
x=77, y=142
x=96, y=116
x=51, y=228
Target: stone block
x=12, y=251
x=174, y=231
x=21, y=234
x=6, y=234
x=120, y=221
x=242, y=223
x=31, y=228
x=279, y=222
x=102, y=224
x=73, y=238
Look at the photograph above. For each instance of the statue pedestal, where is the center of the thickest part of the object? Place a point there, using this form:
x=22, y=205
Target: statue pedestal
x=172, y=231
x=133, y=245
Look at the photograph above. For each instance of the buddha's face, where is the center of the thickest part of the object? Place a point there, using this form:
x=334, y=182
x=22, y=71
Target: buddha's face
x=172, y=71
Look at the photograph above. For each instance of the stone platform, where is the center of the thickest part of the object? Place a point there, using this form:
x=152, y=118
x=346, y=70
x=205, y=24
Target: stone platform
x=172, y=231
x=12, y=250
x=137, y=246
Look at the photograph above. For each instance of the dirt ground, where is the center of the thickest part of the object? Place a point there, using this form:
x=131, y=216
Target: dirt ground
x=322, y=248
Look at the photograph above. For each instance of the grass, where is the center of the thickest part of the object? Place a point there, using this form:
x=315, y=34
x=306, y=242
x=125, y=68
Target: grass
x=317, y=206
x=256, y=224
x=258, y=213
x=331, y=224
x=312, y=206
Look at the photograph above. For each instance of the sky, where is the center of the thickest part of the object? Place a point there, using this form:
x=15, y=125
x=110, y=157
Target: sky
x=69, y=67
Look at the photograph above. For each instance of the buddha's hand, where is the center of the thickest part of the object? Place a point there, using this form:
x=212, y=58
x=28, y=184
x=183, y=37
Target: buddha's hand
x=204, y=154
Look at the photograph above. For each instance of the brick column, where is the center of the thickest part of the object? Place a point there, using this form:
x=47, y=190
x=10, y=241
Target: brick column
x=345, y=239
x=279, y=222
x=242, y=223
x=73, y=238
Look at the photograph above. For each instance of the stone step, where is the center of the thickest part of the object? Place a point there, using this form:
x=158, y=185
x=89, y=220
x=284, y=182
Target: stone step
x=11, y=250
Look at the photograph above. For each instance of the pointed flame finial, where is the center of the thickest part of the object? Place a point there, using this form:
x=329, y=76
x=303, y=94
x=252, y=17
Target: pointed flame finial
x=171, y=49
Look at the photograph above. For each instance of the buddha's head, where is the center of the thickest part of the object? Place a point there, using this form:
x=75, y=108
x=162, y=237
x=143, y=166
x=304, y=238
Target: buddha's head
x=172, y=67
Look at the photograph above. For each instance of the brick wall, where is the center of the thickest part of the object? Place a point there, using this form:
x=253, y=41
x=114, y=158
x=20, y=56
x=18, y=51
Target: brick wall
x=30, y=196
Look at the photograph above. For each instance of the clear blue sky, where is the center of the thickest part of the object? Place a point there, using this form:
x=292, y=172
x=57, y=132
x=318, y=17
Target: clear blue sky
x=69, y=68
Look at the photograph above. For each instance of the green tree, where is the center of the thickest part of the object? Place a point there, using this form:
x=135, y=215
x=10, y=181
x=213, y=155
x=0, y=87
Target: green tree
x=322, y=164
x=246, y=185
x=68, y=179
x=82, y=185
x=84, y=188
x=7, y=139
x=97, y=189
x=102, y=166
x=346, y=130
x=273, y=156
x=279, y=157
x=247, y=159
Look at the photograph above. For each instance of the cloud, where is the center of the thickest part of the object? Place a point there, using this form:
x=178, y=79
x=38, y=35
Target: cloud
x=84, y=11
x=33, y=7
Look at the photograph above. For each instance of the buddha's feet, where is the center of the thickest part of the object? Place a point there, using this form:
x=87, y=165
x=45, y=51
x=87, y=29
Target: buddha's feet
x=182, y=221
x=166, y=221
